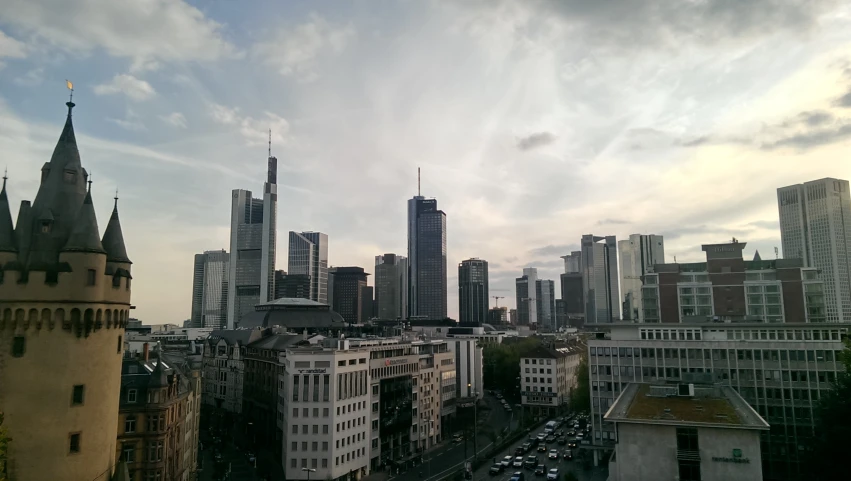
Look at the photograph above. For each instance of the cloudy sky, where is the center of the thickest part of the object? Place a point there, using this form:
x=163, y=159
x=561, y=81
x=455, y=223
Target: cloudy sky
x=534, y=121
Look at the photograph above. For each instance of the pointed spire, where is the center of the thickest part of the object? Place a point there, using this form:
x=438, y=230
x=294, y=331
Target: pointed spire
x=113, y=238
x=7, y=231
x=84, y=234
x=159, y=378
x=756, y=256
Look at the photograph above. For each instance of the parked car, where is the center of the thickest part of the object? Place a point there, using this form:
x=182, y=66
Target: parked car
x=518, y=462
x=518, y=476
x=553, y=454
x=496, y=468
x=542, y=448
x=506, y=461
x=540, y=470
x=568, y=455
x=552, y=475
x=530, y=462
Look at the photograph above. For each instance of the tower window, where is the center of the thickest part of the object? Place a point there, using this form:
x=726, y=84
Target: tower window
x=77, y=397
x=116, y=281
x=74, y=443
x=91, y=277
x=18, y=346
x=45, y=227
x=51, y=277
x=128, y=283
x=120, y=344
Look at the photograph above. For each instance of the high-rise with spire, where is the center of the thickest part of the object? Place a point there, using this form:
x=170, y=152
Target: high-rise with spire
x=64, y=303
x=426, y=258
x=251, y=270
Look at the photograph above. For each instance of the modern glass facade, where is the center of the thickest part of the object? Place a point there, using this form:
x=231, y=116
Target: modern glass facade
x=600, y=279
x=427, y=285
x=308, y=255
x=391, y=286
x=545, y=303
x=637, y=256
x=473, y=291
x=210, y=289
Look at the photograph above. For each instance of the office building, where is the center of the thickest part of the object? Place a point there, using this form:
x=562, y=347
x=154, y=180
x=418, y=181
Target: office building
x=292, y=285
x=726, y=287
x=473, y=300
x=815, y=226
x=308, y=255
x=545, y=300
x=349, y=284
x=498, y=315
x=573, y=262
x=427, y=287
x=547, y=375
x=525, y=294
x=391, y=286
x=684, y=432
x=223, y=364
x=512, y=316
x=65, y=302
x=779, y=369
x=638, y=255
x=251, y=279
x=600, y=279
x=210, y=290
x=159, y=420
x=367, y=303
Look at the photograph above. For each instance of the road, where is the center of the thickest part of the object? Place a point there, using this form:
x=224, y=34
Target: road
x=448, y=456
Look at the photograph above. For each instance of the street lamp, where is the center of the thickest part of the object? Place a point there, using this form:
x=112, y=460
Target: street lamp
x=308, y=471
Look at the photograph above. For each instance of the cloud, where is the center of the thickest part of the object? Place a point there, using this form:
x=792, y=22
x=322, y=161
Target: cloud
x=613, y=221
x=765, y=224
x=11, y=48
x=175, y=119
x=810, y=139
x=533, y=141
x=169, y=30
x=294, y=51
x=845, y=100
x=553, y=250
x=31, y=78
x=128, y=85
x=131, y=122
x=254, y=131
x=224, y=115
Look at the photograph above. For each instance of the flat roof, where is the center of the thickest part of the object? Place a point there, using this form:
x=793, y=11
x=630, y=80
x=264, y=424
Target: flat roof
x=711, y=406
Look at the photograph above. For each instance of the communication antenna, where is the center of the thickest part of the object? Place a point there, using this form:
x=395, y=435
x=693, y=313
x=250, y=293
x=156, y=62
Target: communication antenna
x=418, y=182
x=776, y=253
x=270, y=142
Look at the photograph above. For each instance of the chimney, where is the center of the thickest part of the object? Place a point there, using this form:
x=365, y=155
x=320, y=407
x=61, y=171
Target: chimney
x=145, y=352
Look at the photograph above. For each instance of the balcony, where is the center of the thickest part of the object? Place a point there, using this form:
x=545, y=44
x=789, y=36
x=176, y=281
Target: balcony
x=688, y=454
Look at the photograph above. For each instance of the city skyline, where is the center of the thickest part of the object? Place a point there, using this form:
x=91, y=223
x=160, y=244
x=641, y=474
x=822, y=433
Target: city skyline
x=177, y=129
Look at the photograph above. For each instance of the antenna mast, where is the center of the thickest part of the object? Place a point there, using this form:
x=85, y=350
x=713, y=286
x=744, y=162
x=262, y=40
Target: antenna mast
x=418, y=182
x=270, y=142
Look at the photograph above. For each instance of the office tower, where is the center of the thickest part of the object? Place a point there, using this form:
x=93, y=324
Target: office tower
x=525, y=289
x=65, y=297
x=367, y=303
x=210, y=290
x=348, y=285
x=815, y=225
x=545, y=303
x=498, y=315
x=573, y=262
x=308, y=254
x=427, y=288
x=391, y=286
x=728, y=288
x=638, y=255
x=292, y=286
x=473, y=291
x=600, y=279
x=251, y=279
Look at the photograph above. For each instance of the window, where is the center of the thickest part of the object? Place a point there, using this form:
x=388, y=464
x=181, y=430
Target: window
x=74, y=443
x=293, y=463
x=120, y=344
x=128, y=453
x=687, y=439
x=324, y=463
x=294, y=446
x=131, y=395
x=91, y=277
x=689, y=470
x=116, y=281
x=18, y=346
x=130, y=424
x=77, y=396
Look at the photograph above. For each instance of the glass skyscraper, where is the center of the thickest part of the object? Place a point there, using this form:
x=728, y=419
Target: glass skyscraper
x=308, y=255
x=427, y=288
x=473, y=291
x=210, y=290
x=391, y=286
x=638, y=254
x=600, y=279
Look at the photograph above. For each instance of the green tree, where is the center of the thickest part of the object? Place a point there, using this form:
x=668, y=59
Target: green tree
x=502, y=365
x=832, y=425
x=580, y=395
x=4, y=449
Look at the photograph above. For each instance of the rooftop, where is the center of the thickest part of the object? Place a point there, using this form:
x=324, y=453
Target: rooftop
x=717, y=406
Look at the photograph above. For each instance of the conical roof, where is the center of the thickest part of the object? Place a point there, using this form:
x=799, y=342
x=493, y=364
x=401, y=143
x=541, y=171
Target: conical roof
x=159, y=378
x=113, y=238
x=7, y=231
x=84, y=236
x=756, y=256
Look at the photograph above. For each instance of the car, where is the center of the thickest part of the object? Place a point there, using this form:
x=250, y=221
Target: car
x=550, y=439
x=559, y=432
x=542, y=448
x=562, y=441
x=526, y=447
x=506, y=461
x=568, y=454
x=498, y=396
x=518, y=462
x=518, y=476
x=552, y=475
x=571, y=445
x=541, y=437
x=540, y=470
x=553, y=454
x=496, y=468
x=457, y=438
x=580, y=436
x=530, y=462
x=571, y=433
x=251, y=457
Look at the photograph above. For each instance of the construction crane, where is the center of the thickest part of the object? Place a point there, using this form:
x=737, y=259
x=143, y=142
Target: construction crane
x=497, y=300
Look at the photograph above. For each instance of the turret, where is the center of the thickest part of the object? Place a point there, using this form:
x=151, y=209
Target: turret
x=8, y=246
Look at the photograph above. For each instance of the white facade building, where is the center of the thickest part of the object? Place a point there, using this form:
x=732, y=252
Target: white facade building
x=469, y=380
x=638, y=255
x=815, y=225
x=547, y=376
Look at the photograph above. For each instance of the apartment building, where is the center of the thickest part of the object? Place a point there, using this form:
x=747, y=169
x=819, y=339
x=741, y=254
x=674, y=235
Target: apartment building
x=779, y=369
x=546, y=377
x=223, y=364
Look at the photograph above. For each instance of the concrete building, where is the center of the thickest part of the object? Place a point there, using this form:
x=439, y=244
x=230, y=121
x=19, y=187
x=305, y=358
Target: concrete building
x=224, y=370
x=779, y=369
x=292, y=285
x=427, y=286
x=545, y=300
x=391, y=286
x=726, y=287
x=469, y=372
x=601, y=293
x=253, y=227
x=546, y=377
x=210, y=290
x=188, y=340
x=686, y=432
x=308, y=255
x=349, y=284
x=158, y=420
x=64, y=304
x=638, y=255
x=525, y=287
x=473, y=300
x=815, y=226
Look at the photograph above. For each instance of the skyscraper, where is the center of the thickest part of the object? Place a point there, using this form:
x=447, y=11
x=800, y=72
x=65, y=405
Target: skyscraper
x=473, y=291
x=293, y=286
x=308, y=254
x=391, y=286
x=572, y=292
x=815, y=225
x=426, y=259
x=251, y=279
x=349, y=284
x=638, y=254
x=600, y=279
x=525, y=292
x=210, y=290
x=545, y=303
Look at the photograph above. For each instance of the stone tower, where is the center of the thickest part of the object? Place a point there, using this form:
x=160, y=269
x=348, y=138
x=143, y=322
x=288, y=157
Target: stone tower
x=64, y=303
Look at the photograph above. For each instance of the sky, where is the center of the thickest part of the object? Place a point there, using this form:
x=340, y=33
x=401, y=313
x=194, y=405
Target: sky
x=533, y=121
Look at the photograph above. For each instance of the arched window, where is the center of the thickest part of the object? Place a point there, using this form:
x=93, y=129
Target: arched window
x=108, y=318
x=59, y=317
x=99, y=319
x=45, y=318
x=75, y=316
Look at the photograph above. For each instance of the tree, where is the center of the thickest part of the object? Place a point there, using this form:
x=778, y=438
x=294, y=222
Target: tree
x=4, y=449
x=580, y=395
x=502, y=365
x=832, y=425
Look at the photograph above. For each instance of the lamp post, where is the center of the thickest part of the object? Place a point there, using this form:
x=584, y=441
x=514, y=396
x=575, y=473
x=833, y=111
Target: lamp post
x=308, y=471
